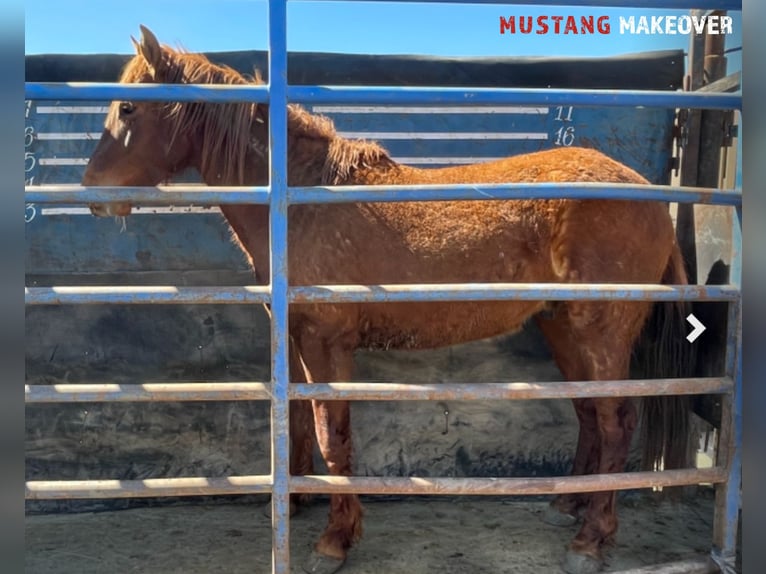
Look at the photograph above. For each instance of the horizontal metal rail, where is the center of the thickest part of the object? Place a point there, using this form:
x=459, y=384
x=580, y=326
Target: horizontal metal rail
x=507, y=191
x=512, y=96
x=509, y=391
x=147, y=392
x=246, y=391
x=159, y=195
x=143, y=295
x=149, y=487
x=237, y=485
x=511, y=291
x=202, y=195
x=221, y=93
x=504, y=486
x=644, y=4
x=128, y=295
x=84, y=91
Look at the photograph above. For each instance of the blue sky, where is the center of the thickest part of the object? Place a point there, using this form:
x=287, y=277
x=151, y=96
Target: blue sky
x=98, y=26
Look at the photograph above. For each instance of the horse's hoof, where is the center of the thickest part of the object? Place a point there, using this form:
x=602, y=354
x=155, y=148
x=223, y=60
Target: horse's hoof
x=576, y=563
x=556, y=517
x=266, y=510
x=322, y=564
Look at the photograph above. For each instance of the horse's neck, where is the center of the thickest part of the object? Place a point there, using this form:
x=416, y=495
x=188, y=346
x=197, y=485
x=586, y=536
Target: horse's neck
x=250, y=223
x=311, y=160
x=317, y=155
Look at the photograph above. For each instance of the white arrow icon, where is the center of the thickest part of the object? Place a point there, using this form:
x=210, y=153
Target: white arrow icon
x=699, y=328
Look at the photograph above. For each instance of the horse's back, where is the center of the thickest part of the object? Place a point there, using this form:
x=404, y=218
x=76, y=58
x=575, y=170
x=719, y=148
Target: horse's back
x=561, y=164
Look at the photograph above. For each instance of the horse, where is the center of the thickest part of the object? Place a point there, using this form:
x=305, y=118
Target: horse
x=518, y=241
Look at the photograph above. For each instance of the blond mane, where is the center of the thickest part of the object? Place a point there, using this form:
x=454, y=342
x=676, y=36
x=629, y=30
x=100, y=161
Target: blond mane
x=227, y=129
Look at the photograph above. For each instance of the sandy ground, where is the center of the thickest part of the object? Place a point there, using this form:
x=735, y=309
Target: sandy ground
x=422, y=535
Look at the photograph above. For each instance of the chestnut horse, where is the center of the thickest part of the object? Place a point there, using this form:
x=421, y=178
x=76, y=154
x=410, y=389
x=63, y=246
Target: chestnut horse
x=576, y=241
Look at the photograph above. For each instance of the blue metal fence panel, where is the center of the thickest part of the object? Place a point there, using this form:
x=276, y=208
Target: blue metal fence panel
x=280, y=93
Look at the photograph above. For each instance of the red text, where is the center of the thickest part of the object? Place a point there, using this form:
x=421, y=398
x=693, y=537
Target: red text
x=555, y=25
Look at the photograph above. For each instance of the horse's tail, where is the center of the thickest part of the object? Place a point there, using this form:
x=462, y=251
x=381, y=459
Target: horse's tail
x=664, y=352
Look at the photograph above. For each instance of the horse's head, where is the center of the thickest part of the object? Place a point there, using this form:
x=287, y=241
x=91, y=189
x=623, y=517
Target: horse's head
x=140, y=145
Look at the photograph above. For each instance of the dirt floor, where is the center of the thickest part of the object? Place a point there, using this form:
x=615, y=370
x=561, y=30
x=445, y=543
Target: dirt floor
x=423, y=535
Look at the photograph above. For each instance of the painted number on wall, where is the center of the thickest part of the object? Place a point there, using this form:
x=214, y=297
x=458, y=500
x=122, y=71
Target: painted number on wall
x=30, y=161
x=564, y=135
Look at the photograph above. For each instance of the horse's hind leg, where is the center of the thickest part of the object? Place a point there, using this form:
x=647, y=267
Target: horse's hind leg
x=616, y=422
x=327, y=362
x=302, y=443
x=564, y=509
x=606, y=333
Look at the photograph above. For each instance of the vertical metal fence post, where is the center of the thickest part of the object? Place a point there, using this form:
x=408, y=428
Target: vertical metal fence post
x=280, y=438
x=727, y=503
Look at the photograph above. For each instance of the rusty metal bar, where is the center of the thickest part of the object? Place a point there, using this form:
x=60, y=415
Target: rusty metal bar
x=508, y=391
x=243, y=391
x=504, y=486
x=233, y=485
x=148, y=392
x=147, y=488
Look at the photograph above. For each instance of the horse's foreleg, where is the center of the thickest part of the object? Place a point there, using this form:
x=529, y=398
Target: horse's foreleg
x=328, y=362
x=345, y=518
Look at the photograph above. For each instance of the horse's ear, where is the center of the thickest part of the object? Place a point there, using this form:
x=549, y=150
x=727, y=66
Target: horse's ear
x=150, y=49
x=135, y=45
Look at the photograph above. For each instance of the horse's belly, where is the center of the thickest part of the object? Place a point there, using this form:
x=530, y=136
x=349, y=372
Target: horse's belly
x=439, y=324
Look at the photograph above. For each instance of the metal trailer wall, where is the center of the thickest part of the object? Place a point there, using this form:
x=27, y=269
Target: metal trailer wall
x=725, y=474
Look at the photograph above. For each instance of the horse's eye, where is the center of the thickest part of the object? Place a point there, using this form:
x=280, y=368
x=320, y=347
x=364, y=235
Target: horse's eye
x=126, y=108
